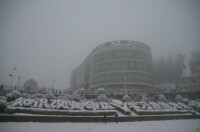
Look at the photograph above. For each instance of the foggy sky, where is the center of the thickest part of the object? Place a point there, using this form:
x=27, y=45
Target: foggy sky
x=47, y=39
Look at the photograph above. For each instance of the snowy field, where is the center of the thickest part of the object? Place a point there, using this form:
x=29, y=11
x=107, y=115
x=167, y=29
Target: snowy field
x=145, y=126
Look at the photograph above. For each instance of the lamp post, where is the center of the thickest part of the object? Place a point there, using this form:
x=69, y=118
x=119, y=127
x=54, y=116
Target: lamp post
x=18, y=81
x=12, y=75
x=124, y=82
x=54, y=80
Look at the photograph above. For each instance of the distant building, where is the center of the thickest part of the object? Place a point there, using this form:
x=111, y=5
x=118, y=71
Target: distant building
x=121, y=66
x=194, y=63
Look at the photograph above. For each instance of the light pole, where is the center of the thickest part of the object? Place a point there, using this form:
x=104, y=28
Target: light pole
x=12, y=75
x=54, y=80
x=18, y=81
x=124, y=82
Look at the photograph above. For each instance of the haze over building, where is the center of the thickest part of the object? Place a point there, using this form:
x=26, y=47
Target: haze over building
x=119, y=66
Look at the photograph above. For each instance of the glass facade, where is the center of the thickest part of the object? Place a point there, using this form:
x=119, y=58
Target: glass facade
x=117, y=66
x=118, y=54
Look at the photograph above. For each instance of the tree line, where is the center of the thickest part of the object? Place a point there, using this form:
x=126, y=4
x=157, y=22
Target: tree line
x=169, y=69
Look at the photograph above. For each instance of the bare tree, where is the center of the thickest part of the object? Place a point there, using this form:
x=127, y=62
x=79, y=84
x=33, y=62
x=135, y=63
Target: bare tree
x=169, y=70
x=31, y=83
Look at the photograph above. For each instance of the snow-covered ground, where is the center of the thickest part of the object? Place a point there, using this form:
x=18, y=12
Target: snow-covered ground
x=145, y=126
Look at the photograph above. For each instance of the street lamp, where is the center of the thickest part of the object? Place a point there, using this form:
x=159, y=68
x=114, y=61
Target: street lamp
x=54, y=80
x=18, y=81
x=124, y=82
x=12, y=75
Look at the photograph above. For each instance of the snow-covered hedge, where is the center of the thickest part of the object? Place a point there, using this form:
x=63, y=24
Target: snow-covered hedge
x=3, y=105
x=64, y=96
x=144, y=98
x=26, y=95
x=38, y=96
x=81, y=91
x=122, y=108
x=78, y=95
x=13, y=95
x=3, y=98
x=198, y=108
x=126, y=98
x=162, y=98
x=12, y=110
x=185, y=101
x=102, y=98
x=178, y=98
x=50, y=96
x=159, y=107
x=193, y=104
x=100, y=91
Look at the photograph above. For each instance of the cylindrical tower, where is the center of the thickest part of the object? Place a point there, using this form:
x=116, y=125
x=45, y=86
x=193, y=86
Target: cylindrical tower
x=121, y=66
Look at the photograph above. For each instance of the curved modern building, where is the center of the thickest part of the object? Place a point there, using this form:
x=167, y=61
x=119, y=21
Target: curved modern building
x=121, y=66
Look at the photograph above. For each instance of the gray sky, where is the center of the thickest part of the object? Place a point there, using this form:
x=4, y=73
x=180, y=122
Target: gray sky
x=46, y=38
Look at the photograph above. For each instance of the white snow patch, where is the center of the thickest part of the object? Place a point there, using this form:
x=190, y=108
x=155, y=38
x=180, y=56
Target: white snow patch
x=146, y=126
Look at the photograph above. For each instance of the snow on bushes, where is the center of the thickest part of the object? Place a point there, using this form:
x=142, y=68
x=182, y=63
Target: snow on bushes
x=198, y=107
x=162, y=98
x=118, y=102
x=78, y=95
x=50, y=96
x=13, y=95
x=178, y=98
x=193, y=104
x=81, y=91
x=26, y=95
x=3, y=105
x=126, y=98
x=144, y=98
x=59, y=104
x=102, y=98
x=159, y=107
x=24, y=105
x=64, y=96
x=100, y=91
x=11, y=110
x=119, y=105
x=38, y=96
x=185, y=101
x=3, y=98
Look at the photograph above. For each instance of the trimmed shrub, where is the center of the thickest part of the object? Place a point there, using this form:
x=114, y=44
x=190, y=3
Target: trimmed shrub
x=126, y=98
x=102, y=98
x=64, y=96
x=185, y=101
x=100, y=91
x=78, y=95
x=198, y=108
x=144, y=98
x=137, y=97
x=26, y=95
x=3, y=98
x=38, y=96
x=193, y=104
x=81, y=91
x=162, y=98
x=50, y=96
x=3, y=105
x=77, y=98
x=178, y=98
x=13, y=95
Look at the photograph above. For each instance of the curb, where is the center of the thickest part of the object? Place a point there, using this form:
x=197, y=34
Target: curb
x=51, y=118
